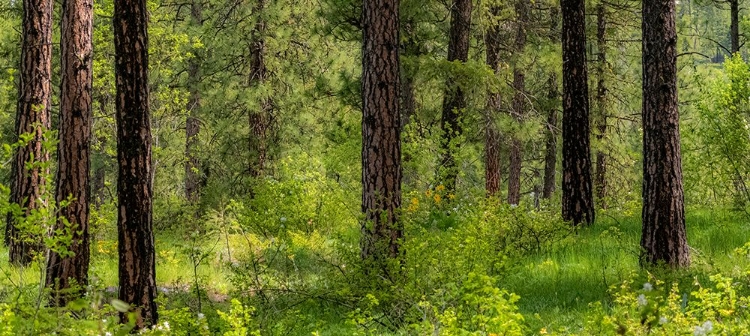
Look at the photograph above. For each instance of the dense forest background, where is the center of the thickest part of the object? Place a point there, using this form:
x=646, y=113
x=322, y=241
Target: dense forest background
x=257, y=215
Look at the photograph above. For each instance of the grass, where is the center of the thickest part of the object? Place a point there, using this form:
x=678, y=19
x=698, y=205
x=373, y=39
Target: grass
x=556, y=286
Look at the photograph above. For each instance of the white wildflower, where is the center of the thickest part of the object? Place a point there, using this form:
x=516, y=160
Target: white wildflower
x=648, y=287
x=283, y=219
x=166, y=325
x=107, y=333
x=642, y=300
x=708, y=326
x=201, y=316
x=663, y=320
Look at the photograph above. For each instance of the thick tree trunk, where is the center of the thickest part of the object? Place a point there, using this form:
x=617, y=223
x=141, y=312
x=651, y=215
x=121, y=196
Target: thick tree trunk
x=550, y=157
x=260, y=119
x=32, y=117
x=491, y=133
x=192, y=124
x=577, y=198
x=600, y=174
x=734, y=8
x=519, y=103
x=381, y=121
x=137, y=271
x=454, y=100
x=664, y=238
x=73, y=149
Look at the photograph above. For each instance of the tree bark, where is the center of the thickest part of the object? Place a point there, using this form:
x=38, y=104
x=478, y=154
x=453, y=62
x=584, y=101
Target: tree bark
x=600, y=174
x=491, y=133
x=32, y=117
x=734, y=8
x=550, y=157
x=73, y=150
x=454, y=99
x=663, y=238
x=259, y=119
x=577, y=198
x=137, y=273
x=519, y=103
x=192, y=124
x=381, y=120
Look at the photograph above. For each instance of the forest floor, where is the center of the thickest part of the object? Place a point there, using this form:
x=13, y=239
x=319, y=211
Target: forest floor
x=556, y=286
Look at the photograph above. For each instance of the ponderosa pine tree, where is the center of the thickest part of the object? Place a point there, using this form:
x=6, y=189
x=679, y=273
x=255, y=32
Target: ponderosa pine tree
x=600, y=173
x=192, y=123
x=454, y=100
x=32, y=118
x=381, y=131
x=71, y=264
x=577, y=196
x=491, y=133
x=734, y=11
x=260, y=118
x=137, y=267
x=663, y=238
x=553, y=95
x=519, y=106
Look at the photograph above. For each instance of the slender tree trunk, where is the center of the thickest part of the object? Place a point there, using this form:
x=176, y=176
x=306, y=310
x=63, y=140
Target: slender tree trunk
x=32, y=117
x=408, y=101
x=491, y=133
x=550, y=157
x=381, y=121
x=73, y=150
x=577, y=198
x=98, y=183
x=260, y=119
x=734, y=8
x=98, y=187
x=192, y=124
x=600, y=174
x=137, y=272
x=519, y=103
x=454, y=100
x=664, y=238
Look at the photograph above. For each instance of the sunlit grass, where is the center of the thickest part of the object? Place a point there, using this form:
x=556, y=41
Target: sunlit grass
x=556, y=286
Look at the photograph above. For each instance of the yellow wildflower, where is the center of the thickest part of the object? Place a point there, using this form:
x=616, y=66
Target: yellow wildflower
x=437, y=198
x=440, y=188
x=543, y=331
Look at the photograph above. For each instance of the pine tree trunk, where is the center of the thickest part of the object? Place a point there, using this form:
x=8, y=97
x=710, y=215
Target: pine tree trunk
x=577, y=195
x=734, y=8
x=137, y=273
x=381, y=120
x=73, y=149
x=550, y=157
x=664, y=237
x=519, y=104
x=192, y=124
x=491, y=133
x=32, y=117
x=259, y=119
x=600, y=174
x=454, y=100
